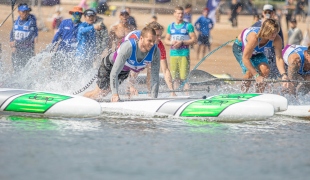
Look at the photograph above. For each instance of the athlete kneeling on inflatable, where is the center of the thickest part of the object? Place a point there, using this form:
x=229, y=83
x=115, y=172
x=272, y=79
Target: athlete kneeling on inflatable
x=249, y=50
x=298, y=60
x=131, y=55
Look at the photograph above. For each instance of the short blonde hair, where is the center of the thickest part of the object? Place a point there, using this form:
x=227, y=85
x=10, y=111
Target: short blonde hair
x=269, y=27
x=178, y=8
x=147, y=30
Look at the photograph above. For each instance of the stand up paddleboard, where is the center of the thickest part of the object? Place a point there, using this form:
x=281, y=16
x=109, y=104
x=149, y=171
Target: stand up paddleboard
x=47, y=103
x=300, y=111
x=216, y=110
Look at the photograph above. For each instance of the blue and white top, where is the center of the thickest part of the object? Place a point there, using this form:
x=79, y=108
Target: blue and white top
x=132, y=63
x=299, y=50
x=258, y=49
x=24, y=32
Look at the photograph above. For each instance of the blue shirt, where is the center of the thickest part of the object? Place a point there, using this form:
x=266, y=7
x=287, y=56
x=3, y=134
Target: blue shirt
x=24, y=32
x=204, y=25
x=86, y=47
x=67, y=33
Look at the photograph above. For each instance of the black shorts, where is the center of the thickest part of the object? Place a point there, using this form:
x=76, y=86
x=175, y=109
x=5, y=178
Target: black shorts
x=203, y=39
x=104, y=72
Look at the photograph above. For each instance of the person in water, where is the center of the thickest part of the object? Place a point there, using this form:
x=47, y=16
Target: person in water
x=249, y=51
x=132, y=55
x=297, y=59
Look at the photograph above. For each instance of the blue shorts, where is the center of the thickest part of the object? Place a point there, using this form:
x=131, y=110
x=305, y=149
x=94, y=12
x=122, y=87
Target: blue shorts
x=256, y=60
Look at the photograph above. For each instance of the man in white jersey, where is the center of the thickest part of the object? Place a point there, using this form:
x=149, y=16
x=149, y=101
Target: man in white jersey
x=132, y=55
x=298, y=60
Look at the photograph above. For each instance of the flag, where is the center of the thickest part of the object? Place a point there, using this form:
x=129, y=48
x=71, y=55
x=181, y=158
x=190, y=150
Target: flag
x=212, y=5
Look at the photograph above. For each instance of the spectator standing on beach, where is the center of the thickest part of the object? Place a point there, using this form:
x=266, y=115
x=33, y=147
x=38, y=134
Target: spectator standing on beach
x=154, y=19
x=131, y=20
x=57, y=20
x=300, y=6
x=235, y=8
x=203, y=25
x=188, y=13
x=269, y=13
x=66, y=39
x=294, y=33
x=86, y=49
x=289, y=11
x=22, y=37
x=180, y=35
x=119, y=31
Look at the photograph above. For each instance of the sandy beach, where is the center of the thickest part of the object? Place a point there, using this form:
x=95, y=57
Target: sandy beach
x=222, y=61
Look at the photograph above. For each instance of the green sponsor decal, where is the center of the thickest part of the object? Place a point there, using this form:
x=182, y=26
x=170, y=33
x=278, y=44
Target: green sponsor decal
x=235, y=96
x=208, y=108
x=38, y=102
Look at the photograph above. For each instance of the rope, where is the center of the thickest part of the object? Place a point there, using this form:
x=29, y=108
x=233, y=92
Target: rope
x=189, y=90
x=203, y=59
x=86, y=86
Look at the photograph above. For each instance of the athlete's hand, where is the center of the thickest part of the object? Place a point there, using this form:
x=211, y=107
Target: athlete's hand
x=177, y=44
x=133, y=91
x=259, y=79
x=97, y=27
x=115, y=98
x=286, y=84
x=173, y=94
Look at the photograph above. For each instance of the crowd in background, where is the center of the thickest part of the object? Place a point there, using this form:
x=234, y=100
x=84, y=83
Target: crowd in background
x=79, y=43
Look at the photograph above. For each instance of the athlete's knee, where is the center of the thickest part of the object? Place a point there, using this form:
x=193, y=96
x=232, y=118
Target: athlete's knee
x=264, y=69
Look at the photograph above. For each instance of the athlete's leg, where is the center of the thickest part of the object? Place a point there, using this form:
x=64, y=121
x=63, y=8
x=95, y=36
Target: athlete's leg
x=184, y=70
x=260, y=63
x=167, y=75
x=174, y=69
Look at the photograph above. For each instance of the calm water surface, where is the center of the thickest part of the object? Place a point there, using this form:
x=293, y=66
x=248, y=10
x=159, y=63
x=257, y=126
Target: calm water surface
x=135, y=147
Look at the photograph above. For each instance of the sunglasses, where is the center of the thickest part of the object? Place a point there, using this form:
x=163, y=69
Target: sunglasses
x=77, y=13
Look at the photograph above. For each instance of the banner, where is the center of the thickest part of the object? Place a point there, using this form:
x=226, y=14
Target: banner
x=212, y=5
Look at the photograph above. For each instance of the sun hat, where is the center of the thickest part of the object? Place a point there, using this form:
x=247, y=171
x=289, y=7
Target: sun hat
x=76, y=9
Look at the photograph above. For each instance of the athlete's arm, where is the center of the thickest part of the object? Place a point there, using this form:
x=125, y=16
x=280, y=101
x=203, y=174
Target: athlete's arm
x=168, y=37
x=279, y=59
x=247, y=52
x=192, y=36
x=123, y=54
x=292, y=71
x=155, y=66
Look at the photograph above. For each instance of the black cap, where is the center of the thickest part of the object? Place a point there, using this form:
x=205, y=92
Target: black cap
x=89, y=12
